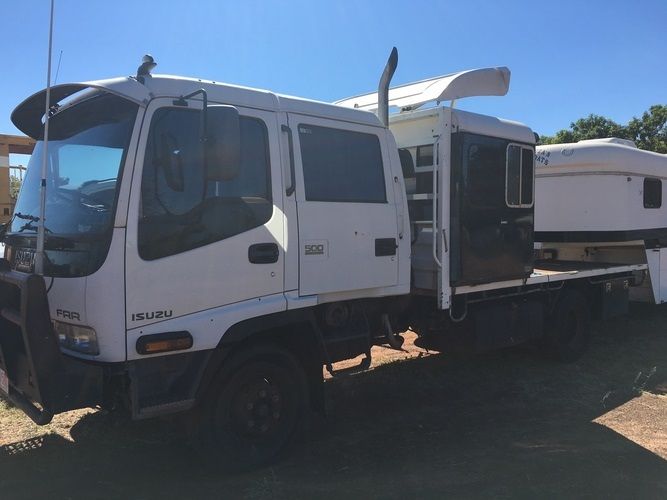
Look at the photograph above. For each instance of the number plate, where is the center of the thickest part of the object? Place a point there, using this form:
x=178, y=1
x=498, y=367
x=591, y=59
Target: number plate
x=4, y=382
x=24, y=260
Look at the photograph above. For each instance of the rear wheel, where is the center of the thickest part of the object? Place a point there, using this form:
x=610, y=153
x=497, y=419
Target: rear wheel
x=567, y=335
x=254, y=407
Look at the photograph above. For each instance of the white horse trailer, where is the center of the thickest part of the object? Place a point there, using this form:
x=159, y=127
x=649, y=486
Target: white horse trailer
x=602, y=200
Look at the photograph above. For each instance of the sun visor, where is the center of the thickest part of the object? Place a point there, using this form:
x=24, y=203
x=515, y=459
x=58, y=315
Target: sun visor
x=27, y=116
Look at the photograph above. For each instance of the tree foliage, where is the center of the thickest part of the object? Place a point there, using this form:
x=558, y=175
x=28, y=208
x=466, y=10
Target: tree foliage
x=648, y=132
x=14, y=186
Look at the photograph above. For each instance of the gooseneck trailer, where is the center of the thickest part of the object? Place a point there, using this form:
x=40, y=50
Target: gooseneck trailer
x=209, y=248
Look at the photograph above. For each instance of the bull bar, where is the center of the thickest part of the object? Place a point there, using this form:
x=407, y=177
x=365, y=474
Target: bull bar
x=42, y=381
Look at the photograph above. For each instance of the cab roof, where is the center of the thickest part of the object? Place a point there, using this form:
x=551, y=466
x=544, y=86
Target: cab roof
x=28, y=116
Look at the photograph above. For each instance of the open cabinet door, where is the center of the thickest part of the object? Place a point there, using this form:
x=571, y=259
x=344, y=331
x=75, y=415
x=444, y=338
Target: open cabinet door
x=441, y=206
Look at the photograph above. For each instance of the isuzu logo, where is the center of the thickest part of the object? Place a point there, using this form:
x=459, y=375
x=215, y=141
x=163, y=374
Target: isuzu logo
x=144, y=316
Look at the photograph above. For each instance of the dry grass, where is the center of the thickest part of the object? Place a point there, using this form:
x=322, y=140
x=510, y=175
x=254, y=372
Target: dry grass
x=16, y=427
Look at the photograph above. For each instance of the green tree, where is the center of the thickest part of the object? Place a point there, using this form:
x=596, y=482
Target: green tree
x=648, y=132
x=14, y=186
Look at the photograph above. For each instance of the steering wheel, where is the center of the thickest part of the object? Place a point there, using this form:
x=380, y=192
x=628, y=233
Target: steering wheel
x=94, y=203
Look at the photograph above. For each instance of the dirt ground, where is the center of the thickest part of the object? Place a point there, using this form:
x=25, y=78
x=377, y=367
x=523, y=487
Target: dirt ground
x=506, y=424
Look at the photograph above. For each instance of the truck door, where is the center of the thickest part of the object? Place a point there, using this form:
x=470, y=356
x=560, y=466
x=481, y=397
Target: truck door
x=348, y=229
x=203, y=247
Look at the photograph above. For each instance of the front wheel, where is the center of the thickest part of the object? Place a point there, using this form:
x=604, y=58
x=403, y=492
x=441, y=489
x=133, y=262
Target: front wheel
x=254, y=407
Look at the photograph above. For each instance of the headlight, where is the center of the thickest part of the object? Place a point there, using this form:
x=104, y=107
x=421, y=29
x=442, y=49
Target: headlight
x=77, y=338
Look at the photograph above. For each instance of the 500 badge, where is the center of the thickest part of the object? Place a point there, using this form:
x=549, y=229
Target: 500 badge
x=316, y=249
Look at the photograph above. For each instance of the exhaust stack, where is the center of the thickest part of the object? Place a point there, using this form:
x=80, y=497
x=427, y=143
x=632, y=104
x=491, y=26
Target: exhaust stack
x=383, y=88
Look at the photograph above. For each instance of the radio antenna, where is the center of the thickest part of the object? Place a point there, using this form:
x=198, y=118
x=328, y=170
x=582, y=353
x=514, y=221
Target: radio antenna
x=41, y=228
x=60, y=57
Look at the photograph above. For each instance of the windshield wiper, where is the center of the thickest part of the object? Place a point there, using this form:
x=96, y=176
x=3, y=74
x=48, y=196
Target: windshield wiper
x=29, y=226
x=29, y=217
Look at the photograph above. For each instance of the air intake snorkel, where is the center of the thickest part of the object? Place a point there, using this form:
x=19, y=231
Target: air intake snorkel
x=383, y=88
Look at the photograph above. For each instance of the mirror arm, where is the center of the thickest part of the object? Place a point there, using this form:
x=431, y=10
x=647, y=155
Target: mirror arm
x=182, y=101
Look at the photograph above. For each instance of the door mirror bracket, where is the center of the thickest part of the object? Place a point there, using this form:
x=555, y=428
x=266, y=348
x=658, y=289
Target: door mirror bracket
x=220, y=135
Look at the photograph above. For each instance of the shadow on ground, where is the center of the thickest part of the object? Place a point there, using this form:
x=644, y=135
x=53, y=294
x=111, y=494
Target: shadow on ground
x=506, y=424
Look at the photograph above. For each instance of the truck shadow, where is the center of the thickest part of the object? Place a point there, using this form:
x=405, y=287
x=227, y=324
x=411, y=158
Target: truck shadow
x=504, y=424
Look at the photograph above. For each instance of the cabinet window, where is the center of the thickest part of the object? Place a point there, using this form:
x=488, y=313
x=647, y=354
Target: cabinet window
x=519, y=176
x=180, y=208
x=652, y=193
x=484, y=175
x=341, y=165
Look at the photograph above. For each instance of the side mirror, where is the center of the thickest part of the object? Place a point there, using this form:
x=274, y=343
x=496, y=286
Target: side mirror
x=223, y=143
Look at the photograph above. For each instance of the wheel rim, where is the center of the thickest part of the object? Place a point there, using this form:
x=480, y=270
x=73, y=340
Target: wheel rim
x=257, y=409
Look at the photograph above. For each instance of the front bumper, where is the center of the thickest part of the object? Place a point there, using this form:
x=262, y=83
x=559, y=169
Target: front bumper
x=42, y=381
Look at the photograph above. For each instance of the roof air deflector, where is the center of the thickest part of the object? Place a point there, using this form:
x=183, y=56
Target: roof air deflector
x=471, y=83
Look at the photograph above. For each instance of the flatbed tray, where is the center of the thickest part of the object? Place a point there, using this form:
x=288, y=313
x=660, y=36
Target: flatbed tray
x=551, y=271
x=572, y=265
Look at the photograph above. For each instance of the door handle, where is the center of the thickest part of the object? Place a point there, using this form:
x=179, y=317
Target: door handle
x=385, y=247
x=263, y=253
x=290, y=190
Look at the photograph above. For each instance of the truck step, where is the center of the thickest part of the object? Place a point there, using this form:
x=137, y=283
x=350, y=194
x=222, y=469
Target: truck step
x=11, y=315
x=346, y=338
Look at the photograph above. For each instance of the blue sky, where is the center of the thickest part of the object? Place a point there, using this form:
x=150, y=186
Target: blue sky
x=568, y=58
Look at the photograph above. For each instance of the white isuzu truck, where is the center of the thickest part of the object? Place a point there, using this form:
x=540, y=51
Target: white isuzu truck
x=209, y=247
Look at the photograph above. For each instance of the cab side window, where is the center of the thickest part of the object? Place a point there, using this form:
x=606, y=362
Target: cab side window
x=181, y=209
x=341, y=165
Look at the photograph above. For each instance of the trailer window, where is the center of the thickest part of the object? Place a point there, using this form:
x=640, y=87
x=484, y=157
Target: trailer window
x=180, y=209
x=519, y=176
x=341, y=165
x=652, y=193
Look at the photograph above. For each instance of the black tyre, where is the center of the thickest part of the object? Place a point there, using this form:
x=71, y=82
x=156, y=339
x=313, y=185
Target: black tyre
x=567, y=335
x=254, y=407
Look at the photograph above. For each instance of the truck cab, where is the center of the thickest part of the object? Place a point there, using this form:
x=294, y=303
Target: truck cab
x=181, y=212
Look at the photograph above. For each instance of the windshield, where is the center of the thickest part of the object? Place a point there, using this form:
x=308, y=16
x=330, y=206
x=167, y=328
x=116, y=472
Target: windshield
x=87, y=147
